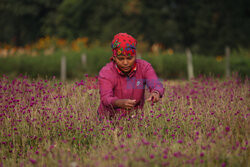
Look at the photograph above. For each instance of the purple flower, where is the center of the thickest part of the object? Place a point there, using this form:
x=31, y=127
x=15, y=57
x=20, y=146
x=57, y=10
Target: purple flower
x=33, y=161
x=158, y=116
x=51, y=147
x=243, y=148
x=145, y=142
x=177, y=154
x=106, y=157
x=209, y=134
x=129, y=135
x=223, y=164
x=180, y=141
x=152, y=156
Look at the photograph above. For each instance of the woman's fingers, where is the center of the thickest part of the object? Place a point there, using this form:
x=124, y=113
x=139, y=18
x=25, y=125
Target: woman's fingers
x=150, y=98
x=125, y=103
x=154, y=97
x=130, y=103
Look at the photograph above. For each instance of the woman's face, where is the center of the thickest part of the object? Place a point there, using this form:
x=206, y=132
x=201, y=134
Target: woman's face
x=125, y=63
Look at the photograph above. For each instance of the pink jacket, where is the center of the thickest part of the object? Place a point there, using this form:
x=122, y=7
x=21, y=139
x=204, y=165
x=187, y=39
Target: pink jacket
x=113, y=86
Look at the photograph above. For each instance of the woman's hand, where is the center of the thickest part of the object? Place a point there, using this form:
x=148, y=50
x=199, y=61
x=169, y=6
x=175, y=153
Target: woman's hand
x=154, y=97
x=125, y=103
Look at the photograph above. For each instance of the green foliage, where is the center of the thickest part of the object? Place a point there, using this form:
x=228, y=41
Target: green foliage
x=166, y=65
x=21, y=21
x=175, y=66
x=49, y=65
x=208, y=66
x=204, y=26
x=241, y=66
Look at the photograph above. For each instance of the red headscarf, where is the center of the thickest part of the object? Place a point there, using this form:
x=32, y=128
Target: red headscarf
x=123, y=44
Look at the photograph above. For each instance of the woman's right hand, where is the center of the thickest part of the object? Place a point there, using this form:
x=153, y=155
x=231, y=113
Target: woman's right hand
x=127, y=104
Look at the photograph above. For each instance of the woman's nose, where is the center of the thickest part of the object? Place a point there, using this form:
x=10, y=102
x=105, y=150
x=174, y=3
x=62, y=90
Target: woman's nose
x=125, y=62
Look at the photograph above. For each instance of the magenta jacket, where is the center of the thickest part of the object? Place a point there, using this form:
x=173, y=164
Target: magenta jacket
x=113, y=86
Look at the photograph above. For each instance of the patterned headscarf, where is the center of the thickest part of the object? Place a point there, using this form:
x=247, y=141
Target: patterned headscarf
x=123, y=44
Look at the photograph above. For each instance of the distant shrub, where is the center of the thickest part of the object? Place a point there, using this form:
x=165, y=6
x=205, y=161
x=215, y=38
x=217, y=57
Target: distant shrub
x=171, y=66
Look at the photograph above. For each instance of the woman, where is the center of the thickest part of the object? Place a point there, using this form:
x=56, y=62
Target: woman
x=122, y=81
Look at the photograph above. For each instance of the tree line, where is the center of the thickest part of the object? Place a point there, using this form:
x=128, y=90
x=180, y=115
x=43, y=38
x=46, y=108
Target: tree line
x=205, y=26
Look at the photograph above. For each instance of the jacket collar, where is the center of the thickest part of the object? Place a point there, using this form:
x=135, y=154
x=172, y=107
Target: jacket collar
x=130, y=74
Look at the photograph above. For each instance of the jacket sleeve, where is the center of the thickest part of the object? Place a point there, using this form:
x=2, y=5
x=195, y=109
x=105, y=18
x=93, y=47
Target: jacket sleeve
x=106, y=88
x=152, y=80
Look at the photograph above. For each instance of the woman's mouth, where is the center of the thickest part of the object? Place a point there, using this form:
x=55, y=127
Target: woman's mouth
x=125, y=68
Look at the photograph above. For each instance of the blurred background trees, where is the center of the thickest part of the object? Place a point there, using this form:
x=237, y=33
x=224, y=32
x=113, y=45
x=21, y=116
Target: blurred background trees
x=204, y=26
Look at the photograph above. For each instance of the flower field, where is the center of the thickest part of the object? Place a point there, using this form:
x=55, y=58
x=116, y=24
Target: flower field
x=203, y=122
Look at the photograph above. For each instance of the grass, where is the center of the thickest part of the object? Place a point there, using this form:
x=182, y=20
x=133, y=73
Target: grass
x=203, y=122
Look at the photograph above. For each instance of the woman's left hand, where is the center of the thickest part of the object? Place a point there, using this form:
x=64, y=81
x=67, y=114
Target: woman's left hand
x=154, y=97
